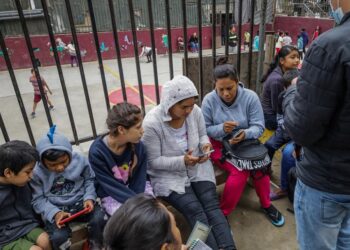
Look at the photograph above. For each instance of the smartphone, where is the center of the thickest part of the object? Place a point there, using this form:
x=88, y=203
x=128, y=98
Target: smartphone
x=235, y=135
x=206, y=153
x=73, y=216
x=199, y=231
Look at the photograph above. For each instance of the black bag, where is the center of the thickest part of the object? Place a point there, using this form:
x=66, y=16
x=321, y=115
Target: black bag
x=246, y=155
x=292, y=182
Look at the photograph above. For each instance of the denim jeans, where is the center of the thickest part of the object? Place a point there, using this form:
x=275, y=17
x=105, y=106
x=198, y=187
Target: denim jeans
x=277, y=140
x=323, y=219
x=288, y=161
x=200, y=203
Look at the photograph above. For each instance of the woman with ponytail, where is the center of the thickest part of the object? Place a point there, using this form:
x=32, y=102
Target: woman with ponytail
x=286, y=59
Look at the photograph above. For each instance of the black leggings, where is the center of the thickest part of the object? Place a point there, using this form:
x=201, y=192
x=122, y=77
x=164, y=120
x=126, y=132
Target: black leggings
x=200, y=203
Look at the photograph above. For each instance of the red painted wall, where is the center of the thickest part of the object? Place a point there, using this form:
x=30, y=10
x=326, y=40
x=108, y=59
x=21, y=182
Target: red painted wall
x=20, y=56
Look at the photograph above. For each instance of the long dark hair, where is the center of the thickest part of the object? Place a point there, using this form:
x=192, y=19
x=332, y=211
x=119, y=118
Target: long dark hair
x=225, y=70
x=142, y=223
x=285, y=50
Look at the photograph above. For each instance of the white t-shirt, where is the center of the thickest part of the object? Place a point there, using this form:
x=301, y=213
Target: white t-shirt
x=279, y=43
x=287, y=40
x=180, y=135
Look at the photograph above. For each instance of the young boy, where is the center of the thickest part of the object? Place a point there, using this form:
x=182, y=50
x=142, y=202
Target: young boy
x=63, y=184
x=18, y=226
x=37, y=95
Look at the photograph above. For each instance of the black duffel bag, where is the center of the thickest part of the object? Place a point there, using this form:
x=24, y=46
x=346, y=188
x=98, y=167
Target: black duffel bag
x=246, y=155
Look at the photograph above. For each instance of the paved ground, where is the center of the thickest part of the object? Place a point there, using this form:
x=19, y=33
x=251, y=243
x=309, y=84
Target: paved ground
x=251, y=229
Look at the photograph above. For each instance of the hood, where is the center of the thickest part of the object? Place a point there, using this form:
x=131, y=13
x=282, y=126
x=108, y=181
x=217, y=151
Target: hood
x=175, y=90
x=54, y=140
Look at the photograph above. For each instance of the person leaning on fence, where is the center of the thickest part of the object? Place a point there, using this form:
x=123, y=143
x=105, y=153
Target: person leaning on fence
x=318, y=118
x=119, y=159
x=63, y=184
x=175, y=137
x=142, y=223
x=18, y=225
x=227, y=109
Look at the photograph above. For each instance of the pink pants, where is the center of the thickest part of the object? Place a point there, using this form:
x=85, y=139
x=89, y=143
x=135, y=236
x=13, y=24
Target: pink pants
x=236, y=182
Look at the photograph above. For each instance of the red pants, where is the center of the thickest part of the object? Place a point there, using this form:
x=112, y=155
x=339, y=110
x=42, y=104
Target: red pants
x=236, y=182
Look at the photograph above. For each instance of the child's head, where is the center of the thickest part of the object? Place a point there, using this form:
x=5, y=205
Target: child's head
x=289, y=76
x=125, y=119
x=17, y=160
x=55, y=151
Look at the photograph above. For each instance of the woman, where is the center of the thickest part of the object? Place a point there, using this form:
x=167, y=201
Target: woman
x=227, y=109
x=174, y=137
x=119, y=158
x=142, y=223
x=286, y=59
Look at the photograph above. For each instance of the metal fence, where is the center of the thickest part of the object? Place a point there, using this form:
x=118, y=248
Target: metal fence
x=311, y=8
x=69, y=11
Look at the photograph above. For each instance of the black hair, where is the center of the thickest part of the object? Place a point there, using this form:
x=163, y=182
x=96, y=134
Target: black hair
x=289, y=75
x=284, y=51
x=123, y=114
x=142, y=223
x=299, y=36
x=31, y=70
x=53, y=154
x=286, y=33
x=225, y=70
x=15, y=155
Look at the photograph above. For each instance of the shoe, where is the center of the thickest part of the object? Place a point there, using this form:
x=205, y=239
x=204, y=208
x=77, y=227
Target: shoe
x=274, y=215
x=51, y=108
x=32, y=115
x=279, y=194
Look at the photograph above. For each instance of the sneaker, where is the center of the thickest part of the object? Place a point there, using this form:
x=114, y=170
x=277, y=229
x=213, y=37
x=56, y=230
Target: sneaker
x=32, y=115
x=51, y=108
x=274, y=215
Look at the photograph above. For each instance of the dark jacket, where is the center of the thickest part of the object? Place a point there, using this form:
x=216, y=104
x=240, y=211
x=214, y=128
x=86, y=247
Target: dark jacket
x=17, y=217
x=318, y=117
x=273, y=86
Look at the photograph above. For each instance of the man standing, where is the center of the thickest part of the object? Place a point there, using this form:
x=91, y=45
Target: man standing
x=305, y=37
x=318, y=118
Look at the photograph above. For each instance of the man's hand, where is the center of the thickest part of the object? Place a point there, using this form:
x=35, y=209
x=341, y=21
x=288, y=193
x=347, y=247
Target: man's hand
x=89, y=204
x=189, y=159
x=60, y=216
x=229, y=126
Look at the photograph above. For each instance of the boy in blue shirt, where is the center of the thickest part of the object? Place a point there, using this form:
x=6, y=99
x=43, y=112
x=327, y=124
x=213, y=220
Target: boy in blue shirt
x=63, y=184
x=18, y=226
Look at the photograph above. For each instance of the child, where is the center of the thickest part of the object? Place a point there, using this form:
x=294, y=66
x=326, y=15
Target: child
x=63, y=184
x=146, y=51
x=300, y=46
x=18, y=226
x=119, y=158
x=72, y=52
x=37, y=94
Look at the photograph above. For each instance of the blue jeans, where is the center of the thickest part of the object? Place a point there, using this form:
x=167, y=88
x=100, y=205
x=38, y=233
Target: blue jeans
x=194, y=46
x=277, y=140
x=288, y=161
x=323, y=219
x=200, y=203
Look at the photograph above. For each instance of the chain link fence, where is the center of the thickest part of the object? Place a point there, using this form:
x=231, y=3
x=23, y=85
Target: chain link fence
x=310, y=8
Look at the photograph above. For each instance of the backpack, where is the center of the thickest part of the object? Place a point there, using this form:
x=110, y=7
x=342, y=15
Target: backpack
x=292, y=181
x=248, y=155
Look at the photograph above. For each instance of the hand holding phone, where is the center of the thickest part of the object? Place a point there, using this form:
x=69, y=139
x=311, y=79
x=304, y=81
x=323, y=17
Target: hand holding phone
x=202, y=154
x=235, y=135
x=73, y=216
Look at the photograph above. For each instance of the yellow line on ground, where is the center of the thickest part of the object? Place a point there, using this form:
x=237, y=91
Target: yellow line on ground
x=116, y=75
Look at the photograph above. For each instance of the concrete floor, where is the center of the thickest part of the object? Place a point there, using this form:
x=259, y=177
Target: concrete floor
x=251, y=228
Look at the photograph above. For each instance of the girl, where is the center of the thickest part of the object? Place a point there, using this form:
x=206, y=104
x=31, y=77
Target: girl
x=287, y=58
x=175, y=137
x=119, y=158
x=227, y=109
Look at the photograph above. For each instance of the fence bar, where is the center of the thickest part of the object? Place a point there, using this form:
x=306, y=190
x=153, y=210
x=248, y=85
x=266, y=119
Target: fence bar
x=214, y=32
x=16, y=88
x=32, y=58
x=227, y=9
x=239, y=36
x=81, y=69
x=3, y=129
x=155, y=71
x=168, y=26
x=59, y=69
x=117, y=49
x=250, y=59
x=200, y=41
x=98, y=51
x=136, y=52
x=184, y=20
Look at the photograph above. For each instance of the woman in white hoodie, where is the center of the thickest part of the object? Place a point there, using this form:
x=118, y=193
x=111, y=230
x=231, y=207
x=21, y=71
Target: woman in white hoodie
x=177, y=148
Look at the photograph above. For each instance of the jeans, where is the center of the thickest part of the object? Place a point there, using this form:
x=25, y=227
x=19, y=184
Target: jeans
x=277, y=140
x=288, y=161
x=96, y=222
x=194, y=47
x=323, y=219
x=200, y=203
x=270, y=121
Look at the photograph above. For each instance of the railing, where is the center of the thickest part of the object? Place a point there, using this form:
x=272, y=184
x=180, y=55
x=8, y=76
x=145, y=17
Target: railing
x=74, y=128
x=312, y=8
